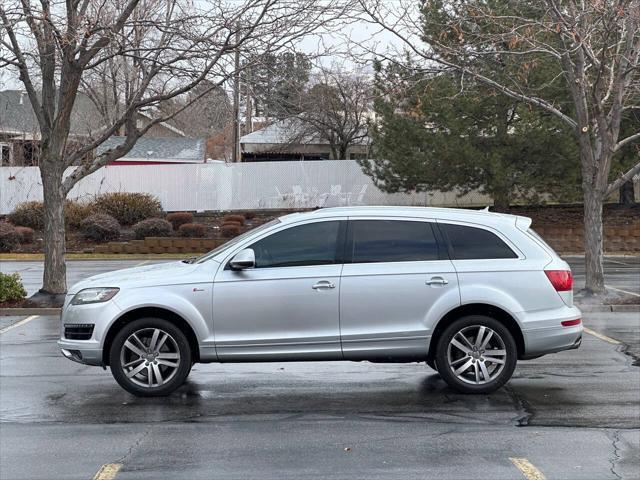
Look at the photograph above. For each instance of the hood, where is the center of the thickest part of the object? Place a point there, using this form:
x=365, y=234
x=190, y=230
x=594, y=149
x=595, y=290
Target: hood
x=145, y=276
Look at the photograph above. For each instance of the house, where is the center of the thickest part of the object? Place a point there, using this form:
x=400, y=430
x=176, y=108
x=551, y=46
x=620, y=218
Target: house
x=154, y=151
x=289, y=140
x=20, y=133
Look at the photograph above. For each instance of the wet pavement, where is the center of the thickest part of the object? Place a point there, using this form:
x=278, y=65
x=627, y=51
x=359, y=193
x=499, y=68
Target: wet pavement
x=574, y=415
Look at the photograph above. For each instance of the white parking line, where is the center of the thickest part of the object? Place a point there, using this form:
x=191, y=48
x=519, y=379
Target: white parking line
x=142, y=263
x=623, y=291
x=18, y=324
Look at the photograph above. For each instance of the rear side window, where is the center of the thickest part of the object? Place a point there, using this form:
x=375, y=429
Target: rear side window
x=470, y=243
x=392, y=241
x=309, y=244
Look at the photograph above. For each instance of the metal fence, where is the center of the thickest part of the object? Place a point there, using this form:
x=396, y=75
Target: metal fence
x=240, y=186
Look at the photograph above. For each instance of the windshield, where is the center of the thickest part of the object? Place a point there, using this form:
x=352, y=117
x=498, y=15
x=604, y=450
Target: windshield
x=235, y=241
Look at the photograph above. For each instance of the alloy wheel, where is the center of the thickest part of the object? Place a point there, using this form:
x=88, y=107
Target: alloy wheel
x=150, y=357
x=476, y=354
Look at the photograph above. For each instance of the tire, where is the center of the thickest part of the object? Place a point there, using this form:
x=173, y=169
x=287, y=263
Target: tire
x=145, y=371
x=467, y=371
x=431, y=363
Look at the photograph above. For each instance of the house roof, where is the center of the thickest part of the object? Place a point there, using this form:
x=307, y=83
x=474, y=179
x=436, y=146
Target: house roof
x=168, y=149
x=283, y=132
x=290, y=131
x=17, y=117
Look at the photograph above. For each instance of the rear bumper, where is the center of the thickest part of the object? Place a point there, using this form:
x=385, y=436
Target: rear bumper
x=543, y=332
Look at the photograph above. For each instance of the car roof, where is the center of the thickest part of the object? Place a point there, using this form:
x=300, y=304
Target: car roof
x=484, y=216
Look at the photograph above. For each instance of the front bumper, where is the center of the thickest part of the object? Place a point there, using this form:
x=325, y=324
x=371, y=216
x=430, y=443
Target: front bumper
x=101, y=315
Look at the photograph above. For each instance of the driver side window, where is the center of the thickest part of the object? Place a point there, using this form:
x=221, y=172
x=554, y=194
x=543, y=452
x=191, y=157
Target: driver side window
x=309, y=244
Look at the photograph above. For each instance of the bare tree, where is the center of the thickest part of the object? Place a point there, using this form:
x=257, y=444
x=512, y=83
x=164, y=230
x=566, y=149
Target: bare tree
x=142, y=52
x=594, y=45
x=336, y=108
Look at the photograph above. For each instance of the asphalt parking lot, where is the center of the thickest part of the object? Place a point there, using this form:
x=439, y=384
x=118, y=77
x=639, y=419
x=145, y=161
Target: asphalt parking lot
x=573, y=415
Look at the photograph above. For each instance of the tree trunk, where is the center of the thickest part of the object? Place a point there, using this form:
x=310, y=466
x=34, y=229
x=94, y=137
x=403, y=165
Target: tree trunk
x=55, y=271
x=593, y=240
x=627, y=193
x=501, y=201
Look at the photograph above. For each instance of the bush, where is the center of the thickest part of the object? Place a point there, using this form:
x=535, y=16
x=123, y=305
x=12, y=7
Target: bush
x=195, y=230
x=100, y=227
x=31, y=214
x=233, y=218
x=249, y=215
x=229, y=230
x=75, y=213
x=179, y=218
x=152, y=227
x=11, y=287
x=28, y=214
x=229, y=222
x=25, y=234
x=9, y=238
x=128, y=208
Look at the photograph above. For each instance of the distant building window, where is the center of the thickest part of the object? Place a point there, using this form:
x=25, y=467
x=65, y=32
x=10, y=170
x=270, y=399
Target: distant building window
x=5, y=154
x=358, y=156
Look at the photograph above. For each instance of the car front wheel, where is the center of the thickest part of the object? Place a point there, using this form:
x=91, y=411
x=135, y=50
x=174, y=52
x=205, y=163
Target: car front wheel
x=476, y=354
x=150, y=357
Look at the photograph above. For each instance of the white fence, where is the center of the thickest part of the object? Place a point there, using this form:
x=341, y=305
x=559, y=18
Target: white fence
x=241, y=186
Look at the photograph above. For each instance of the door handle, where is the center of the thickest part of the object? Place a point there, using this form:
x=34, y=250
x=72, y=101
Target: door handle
x=323, y=284
x=437, y=281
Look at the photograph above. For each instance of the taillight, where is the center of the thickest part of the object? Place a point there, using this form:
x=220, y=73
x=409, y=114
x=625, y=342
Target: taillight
x=562, y=280
x=571, y=323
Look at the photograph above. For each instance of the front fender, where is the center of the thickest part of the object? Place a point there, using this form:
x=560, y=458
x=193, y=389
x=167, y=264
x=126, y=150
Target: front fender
x=191, y=304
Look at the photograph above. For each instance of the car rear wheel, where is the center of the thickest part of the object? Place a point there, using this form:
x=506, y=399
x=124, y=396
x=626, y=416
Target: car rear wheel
x=476, y=354
x=150, y=357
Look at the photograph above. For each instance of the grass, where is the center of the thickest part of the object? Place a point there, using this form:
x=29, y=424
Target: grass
x=100, y=256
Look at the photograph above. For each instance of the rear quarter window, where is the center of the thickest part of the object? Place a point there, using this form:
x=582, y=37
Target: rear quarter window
x=471, y=243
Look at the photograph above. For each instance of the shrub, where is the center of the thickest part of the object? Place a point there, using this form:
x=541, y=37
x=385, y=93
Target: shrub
x=100, y=227
x=229, y=222
x=228, y=230
x=152, y=227
x=192, y=230
x=9, y=238
x=128, y=208
x=249, y=215
x=28, y=214
x=31, y=214
x=179, y=218
x=233, y=218
x=25, y=234
x=11, y=287
x=75, y=213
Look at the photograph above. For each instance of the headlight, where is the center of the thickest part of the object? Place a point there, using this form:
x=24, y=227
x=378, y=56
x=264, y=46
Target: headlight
x=94, y=295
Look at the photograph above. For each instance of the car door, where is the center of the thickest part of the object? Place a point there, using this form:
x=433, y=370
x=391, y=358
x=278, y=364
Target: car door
x=287, y=306
x=397, y=282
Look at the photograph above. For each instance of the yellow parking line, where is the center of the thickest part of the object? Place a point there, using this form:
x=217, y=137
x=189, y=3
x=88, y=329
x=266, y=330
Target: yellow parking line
x=108, y=471
x=610, y=340
x=529, y=471
x=17, y=324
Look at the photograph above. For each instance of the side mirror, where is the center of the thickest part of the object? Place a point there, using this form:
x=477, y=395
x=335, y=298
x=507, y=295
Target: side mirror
x=243, y=259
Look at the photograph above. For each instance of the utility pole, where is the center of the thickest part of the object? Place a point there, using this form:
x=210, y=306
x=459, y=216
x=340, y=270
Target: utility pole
x=235, y=154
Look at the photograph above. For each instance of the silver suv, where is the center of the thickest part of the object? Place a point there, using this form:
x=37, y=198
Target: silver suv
x=467, y=292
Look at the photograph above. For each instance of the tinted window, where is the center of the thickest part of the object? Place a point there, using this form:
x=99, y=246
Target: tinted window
x=475, y=243
x=392, y=241
x=310, y=244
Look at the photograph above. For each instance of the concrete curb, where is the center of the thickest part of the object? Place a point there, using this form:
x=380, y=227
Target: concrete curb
x=608, y=308
x=18, y=312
